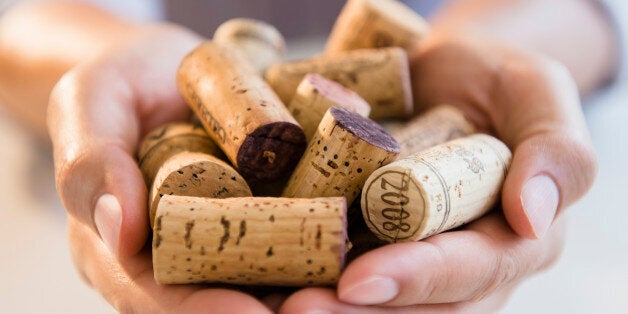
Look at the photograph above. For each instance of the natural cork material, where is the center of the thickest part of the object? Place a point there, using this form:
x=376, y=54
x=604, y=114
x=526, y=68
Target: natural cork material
x=436, y=190
x=346, y=149
x=375, y=24
x=315, y=95
x=249, y=241
x=437, y=125
x=196, y=174
x=262, y=44
x=169, y=140
x=380, y=76
x=240, y=112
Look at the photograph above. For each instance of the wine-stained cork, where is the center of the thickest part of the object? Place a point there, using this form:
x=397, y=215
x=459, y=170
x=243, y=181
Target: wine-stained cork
x=437, y=125
x=345, y=150
x=374, y=24
x=171, y=139
x=315, y=95
x=240, y=112
x=262, y=44
x=436, y=190
x=195, y=174
x=249, y=241
x=380, y=76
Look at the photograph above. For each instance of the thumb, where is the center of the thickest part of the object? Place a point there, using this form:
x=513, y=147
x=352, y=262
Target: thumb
x=96, y=115
x=554, y=163
x=97, y=178
x=528, y=101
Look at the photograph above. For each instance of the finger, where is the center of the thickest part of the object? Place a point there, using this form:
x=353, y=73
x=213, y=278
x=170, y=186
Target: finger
x=96, y=115
x=316, y=300
x=128, y=284
x=554, y=163
x=459, y=266
x=529, y=102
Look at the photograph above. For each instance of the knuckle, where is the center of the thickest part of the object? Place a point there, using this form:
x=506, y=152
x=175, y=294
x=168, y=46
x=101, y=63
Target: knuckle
x=70, y=168
x=581, y=166
x=588, y=162
x=505, y=271
x=123, y=305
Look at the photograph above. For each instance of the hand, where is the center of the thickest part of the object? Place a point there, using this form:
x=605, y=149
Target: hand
x=532, y=104
x=97, y=114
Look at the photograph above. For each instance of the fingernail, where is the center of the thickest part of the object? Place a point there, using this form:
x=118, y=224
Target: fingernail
x=375, y=290
x=539, y=198
x=108, y=219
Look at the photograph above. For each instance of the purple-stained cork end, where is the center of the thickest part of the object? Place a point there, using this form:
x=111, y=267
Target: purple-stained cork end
x=271, y=152
x=365, y=129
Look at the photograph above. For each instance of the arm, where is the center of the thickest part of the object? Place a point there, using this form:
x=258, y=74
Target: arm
x=577, y=33
x=39, y=42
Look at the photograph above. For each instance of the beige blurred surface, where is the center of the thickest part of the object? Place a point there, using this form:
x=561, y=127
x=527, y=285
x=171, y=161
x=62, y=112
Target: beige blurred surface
x=592, y=277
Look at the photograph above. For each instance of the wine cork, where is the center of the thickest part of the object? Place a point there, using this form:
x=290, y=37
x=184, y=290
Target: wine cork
x=262, y=44
x=171, y=139
x=315, y=95
x=380, y=76
x=249, y=241
x=195, y=174
x=437, y=125
x=240, y=112
x=436, y=190
x=345, y=150
x=375, y=24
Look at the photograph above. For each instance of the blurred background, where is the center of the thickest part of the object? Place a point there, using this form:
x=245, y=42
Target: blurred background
x=37, y=272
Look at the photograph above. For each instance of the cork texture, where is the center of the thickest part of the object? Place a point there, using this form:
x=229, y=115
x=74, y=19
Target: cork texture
x=436, y=190
x=249, y=241
x=380, y=76
x=237, y=108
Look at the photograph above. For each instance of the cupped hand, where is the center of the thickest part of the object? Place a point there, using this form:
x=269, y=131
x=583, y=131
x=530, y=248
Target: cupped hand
x=98, y=112
x=532, y=104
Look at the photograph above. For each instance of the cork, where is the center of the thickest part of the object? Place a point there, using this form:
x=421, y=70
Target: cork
x=315, y=95
x=261, y=43
x=171, y=139
x=375, y=24
x=240, y=112
x=436, y=190
x=437, y=125
x=380, y=76
x=346, y=149
x=249, y=241
x=195, y=174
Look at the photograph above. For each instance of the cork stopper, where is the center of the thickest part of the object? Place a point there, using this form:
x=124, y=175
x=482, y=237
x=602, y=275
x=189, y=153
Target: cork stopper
x=435, y=190
x=250, y=241
x=345, y=150
x=375, y=24
x=240, y=112
x=438, y=125
x=195, y=174
x=168, y=140
x=365, y=129
x=380, y=76
x=261, y=43
x=263, y=153
x=315, y=95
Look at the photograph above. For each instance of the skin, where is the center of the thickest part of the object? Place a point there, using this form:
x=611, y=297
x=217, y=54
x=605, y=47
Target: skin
x=526, y=93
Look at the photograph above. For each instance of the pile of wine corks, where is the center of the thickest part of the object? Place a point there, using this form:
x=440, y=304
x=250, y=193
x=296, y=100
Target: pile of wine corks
x=263, y=184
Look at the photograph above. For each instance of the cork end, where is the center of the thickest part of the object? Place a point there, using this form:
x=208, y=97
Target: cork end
x=366, y=129
x=338, y=94
x=271, y=151
x=401, y=14
x=244, y=28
